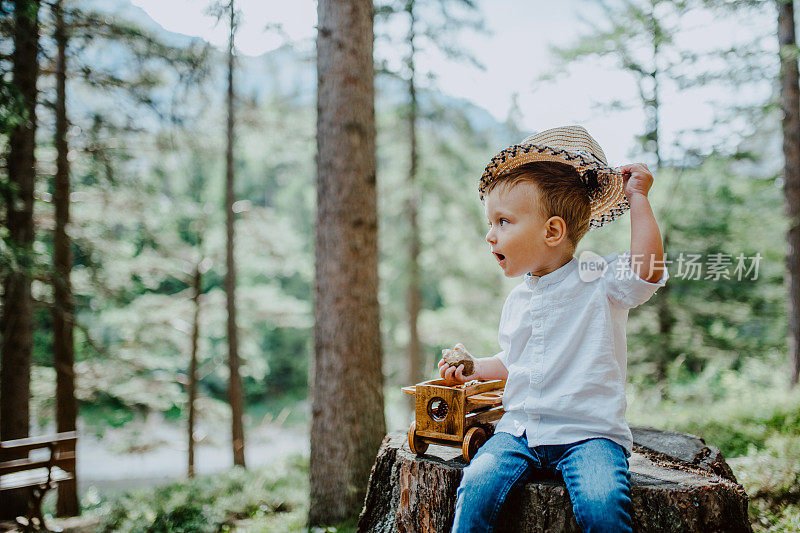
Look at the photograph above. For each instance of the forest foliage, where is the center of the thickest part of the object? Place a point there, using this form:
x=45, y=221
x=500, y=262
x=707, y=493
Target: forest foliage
x=147, y=169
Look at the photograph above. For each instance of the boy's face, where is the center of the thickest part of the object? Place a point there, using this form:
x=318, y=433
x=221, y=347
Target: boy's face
x=517, y=231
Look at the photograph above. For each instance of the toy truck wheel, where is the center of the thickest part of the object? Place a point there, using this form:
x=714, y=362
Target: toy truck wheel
x=417, y=445
x=474, y=439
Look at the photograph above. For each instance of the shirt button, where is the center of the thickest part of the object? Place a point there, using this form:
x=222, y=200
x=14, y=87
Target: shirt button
x=537, y=324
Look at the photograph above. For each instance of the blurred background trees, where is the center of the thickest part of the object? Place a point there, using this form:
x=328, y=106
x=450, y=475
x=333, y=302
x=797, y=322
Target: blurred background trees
x=430, y=25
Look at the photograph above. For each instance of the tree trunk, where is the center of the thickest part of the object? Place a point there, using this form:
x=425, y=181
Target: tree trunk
x=666, y=317
x=17, y=324
x=678, y=484
x=347, y=382
x=666, y=323
x=790, y=101
x=235, y=396
x=197, y=283
x=63, y=305
x=414, y=290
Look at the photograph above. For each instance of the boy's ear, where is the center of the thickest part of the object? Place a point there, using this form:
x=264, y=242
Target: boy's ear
x=556, y=231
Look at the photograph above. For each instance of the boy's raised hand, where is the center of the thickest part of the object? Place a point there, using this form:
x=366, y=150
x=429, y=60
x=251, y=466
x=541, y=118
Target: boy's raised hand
x=636, y=178
x=455, y=374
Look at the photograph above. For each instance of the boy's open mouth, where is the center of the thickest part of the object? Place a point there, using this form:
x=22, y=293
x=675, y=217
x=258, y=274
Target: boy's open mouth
x=499, y=257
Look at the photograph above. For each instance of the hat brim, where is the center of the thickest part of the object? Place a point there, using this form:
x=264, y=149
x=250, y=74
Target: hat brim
x=607, y=201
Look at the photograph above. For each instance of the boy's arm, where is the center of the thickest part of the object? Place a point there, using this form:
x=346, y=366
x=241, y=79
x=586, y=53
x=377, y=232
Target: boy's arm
x=485, y=368
x=491, y=368
x=647, y=249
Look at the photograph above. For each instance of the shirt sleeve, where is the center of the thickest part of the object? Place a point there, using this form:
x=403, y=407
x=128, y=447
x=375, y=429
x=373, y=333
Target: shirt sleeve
x=502, y=357
x=624, y=287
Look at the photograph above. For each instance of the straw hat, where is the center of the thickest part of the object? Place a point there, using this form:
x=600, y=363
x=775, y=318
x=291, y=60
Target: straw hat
x=573, y=146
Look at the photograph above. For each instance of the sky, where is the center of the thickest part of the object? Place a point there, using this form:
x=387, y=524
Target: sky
x=515, y=53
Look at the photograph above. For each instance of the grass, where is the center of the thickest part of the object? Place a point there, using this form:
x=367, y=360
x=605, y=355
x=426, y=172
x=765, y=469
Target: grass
x=771, y=478
x=272, y=499
x=746, y=410
x=268, y=500
x=753, y=418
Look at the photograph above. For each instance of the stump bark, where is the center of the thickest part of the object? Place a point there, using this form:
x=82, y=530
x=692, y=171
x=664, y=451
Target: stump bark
x=678, y=484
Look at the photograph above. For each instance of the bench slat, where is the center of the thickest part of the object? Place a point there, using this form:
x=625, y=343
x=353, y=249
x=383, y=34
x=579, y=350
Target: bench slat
x=63, y=459
x=31, y=478
x=17, y=447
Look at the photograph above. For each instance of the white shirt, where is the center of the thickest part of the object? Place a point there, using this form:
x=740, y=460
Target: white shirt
x=563, y=344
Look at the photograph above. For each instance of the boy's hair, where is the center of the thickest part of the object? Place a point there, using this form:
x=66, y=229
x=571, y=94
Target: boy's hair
x=562, y=193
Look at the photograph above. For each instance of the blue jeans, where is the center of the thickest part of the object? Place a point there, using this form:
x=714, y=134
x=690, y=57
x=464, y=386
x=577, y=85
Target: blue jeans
x=595, y=472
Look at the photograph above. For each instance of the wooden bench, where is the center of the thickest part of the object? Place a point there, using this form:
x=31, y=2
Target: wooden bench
x=37, y=464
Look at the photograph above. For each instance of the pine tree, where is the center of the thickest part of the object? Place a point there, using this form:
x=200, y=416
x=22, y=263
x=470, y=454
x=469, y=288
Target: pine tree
x=434, y=35
x=197, y=289
x=700, y=192
x=63, y=306
x=790, y=103
x=17, y=320
x=638, y=37
x=227, y=10
x=235, y=396
x=347, y=406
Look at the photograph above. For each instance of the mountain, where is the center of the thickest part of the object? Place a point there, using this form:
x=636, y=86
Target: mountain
x=125, y=10
x=287, y=71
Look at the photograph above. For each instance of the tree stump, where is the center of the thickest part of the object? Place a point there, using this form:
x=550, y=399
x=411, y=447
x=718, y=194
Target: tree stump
x=678, y=484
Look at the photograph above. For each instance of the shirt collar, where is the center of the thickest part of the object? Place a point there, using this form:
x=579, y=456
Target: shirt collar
x=553, y=277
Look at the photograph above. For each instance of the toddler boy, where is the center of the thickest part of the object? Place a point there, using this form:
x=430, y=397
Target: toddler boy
x=562, y=330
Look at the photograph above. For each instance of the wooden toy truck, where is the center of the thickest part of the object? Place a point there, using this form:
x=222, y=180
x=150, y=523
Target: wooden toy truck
x=454, y=415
